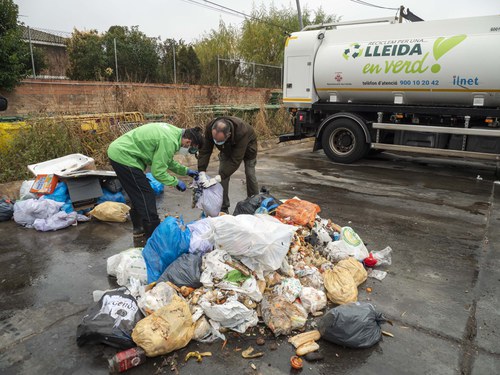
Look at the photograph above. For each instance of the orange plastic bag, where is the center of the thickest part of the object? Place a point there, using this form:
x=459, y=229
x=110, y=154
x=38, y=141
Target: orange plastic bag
x=298, y=212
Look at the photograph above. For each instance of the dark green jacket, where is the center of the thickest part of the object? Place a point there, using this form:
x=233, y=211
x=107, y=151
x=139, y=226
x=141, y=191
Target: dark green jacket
x=241, y=145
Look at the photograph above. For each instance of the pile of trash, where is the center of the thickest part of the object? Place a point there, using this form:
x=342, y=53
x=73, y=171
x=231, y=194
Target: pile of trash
x=277, y=263
x=63, y=194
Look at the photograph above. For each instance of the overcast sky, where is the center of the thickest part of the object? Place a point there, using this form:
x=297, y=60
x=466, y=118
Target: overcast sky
x=183, y=19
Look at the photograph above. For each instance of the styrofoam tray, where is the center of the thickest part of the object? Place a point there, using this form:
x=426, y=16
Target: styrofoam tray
x=68, y=163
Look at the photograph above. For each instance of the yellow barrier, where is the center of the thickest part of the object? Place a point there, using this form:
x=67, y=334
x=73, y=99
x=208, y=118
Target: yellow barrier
x=97, y=123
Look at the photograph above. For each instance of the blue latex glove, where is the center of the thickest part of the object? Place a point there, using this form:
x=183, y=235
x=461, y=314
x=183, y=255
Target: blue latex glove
x=192, y=173
x=181, y=186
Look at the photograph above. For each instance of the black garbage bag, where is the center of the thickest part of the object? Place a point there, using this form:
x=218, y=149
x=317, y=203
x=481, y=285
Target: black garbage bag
x=355, y=325
x=184, y=271
x=6, y=209
x=250, y=205
x=110, y=321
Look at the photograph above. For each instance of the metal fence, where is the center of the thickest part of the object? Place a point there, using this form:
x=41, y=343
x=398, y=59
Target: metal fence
x=229, y=72
x=247, y=73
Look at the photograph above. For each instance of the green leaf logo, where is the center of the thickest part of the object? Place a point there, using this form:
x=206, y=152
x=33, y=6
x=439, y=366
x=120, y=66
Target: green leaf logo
x=444, y=45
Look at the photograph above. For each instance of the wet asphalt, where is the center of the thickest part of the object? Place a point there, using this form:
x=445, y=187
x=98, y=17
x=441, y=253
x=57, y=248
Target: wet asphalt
x=442, y=292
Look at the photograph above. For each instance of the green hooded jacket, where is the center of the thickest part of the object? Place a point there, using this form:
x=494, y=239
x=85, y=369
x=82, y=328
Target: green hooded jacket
x=151, y=145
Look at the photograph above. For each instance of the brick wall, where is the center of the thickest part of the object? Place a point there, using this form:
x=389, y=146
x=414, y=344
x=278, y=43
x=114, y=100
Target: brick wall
x=35, y=96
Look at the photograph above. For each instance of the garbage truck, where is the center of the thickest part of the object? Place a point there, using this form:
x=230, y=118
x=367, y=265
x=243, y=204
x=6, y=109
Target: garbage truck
x=430, y=87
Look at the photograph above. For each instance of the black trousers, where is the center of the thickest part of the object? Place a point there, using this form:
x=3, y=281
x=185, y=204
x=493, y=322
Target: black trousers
x=142, y=197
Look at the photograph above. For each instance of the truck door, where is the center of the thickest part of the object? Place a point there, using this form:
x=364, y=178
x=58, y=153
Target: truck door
x=298, y=85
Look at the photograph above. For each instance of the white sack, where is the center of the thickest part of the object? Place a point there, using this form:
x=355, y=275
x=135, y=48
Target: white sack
x=127, y=264
x=259, y=241
x=26, y=212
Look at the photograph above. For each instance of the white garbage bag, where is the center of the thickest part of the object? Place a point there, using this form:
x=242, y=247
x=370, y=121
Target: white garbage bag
x=127, y=264
x=349, y=245
x=157, y=297
x=200, y=231
x=313, y=299
x=60, y=220
x=211, y=200
x=259, y=241
x=24, y=191
x=231, y=314
x=27, y=211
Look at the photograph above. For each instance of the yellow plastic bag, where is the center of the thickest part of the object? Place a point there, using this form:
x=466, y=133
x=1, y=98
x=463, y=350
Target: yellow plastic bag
x=356, y=269
x=340, y=286
x=167, y=329
x=111, y=211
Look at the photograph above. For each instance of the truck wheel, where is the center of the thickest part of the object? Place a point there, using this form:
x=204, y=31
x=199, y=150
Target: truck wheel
x=344, y=141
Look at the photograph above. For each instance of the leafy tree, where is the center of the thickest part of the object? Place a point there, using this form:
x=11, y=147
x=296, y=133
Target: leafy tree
x=137, y=54
x=263, y=39
x=188, y=65
x=86, y=57
x=218, y=43
x=13, y=51
x=166, y=52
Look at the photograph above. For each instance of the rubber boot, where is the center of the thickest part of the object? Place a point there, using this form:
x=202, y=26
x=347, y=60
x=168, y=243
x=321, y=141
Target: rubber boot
x=149, y=228
x=138, y=230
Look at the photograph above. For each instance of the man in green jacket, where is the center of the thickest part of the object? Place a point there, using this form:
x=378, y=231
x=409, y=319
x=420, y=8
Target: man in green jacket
x=236, y=140
x=151, y=145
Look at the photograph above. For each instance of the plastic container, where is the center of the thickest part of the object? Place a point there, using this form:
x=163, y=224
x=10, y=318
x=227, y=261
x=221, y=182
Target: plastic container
x=126, y=359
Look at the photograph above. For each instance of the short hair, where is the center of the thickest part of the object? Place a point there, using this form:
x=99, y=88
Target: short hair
x=195, y=135
x=222, y=125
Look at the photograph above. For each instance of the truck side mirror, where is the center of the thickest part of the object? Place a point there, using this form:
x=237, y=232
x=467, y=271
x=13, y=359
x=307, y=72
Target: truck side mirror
x=3, y=103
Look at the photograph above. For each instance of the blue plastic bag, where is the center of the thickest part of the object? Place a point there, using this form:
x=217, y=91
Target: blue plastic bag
x=111, y=197
x=169, y=241
x=61, y=194
x=155, y=184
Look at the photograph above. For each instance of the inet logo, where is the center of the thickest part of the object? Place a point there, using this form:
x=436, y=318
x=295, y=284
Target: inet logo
x=460, y=81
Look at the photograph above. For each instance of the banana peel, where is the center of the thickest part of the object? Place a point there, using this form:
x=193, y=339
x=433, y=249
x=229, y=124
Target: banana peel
x=249, y=353
x=199, y=356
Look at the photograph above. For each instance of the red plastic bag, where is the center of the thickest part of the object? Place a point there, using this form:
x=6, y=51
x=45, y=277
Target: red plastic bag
x=296, y=211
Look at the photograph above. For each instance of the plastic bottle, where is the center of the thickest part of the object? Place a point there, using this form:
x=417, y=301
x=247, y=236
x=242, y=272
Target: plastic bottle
x=126, y=359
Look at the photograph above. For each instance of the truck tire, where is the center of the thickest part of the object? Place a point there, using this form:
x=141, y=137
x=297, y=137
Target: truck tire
x=344, y=141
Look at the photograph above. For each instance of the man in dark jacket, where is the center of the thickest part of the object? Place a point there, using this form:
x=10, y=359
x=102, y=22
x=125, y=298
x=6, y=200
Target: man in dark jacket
x=237, y=142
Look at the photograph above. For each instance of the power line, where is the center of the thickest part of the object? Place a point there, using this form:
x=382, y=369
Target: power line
x=360, y=2
x=220, y=8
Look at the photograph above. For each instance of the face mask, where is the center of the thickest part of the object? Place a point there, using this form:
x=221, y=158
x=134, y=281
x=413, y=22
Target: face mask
x=183, y=151
x=193, y=150
x=219, y=143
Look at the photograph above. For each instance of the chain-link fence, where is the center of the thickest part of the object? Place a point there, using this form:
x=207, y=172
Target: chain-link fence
x=49, y=59
x=248, y=74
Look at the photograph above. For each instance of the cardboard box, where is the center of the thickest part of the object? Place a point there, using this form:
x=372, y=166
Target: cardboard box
x=44, y=184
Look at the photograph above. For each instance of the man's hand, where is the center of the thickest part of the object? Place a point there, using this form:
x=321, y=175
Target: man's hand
x=181, y=186
x=193, y=174
x=211, y=182
x=202, y=178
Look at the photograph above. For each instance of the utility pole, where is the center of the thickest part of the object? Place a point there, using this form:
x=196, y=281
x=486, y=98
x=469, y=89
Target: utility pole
x=175, y=70
x=299, y=14
x=401, y=9
x=116, y=60
x=31, y=51
x=218, y=71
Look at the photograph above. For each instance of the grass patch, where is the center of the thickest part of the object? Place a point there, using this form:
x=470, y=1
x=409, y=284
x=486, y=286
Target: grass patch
x=45, y=138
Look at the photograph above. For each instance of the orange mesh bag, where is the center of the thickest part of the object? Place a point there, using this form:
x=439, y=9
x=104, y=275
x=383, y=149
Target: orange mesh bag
x=296, y=211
